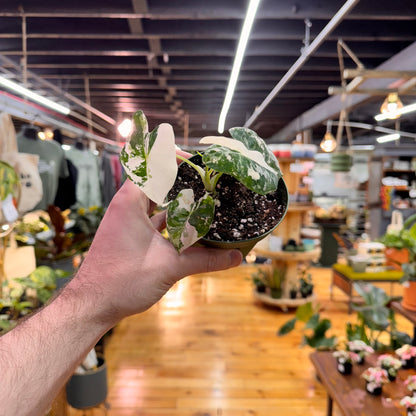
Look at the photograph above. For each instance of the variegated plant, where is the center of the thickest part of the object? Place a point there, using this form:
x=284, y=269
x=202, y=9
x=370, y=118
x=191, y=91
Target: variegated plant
x=150, y=162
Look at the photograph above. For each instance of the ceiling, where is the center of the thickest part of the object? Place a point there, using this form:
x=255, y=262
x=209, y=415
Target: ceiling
x=172, y=59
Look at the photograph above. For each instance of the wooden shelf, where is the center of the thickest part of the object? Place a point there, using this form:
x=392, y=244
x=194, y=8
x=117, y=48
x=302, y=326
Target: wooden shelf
x=283, y=303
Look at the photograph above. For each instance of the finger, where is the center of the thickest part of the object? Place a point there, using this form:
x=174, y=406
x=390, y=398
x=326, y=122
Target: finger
x=202, y=260
x=159, y=220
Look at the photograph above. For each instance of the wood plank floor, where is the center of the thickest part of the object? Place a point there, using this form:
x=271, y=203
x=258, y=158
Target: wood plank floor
x=209, y=349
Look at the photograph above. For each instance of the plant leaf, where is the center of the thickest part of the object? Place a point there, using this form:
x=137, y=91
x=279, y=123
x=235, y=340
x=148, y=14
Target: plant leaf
x=189, y=220
x=304, y=312
x=246, y=157
x=287, y=327
x=150, y=158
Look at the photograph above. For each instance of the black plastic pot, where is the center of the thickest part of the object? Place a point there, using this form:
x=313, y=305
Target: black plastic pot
x=245, y=246
x=90, y=389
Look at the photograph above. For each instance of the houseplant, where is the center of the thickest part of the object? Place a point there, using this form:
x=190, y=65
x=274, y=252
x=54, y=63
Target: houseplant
x=195, y=208
x=360, y=348
x=390, y=364
x=410, y=404
x=314, y=330
x=375, y=377
x=345, y=360
x=24, y=295
x=269, y=281
x=404, y=240
x=407, y=354
x=410, y=383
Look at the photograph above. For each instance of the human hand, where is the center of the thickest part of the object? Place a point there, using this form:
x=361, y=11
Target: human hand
x=130, y=265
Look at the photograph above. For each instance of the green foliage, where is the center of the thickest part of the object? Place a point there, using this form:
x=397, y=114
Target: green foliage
x=314, y=330
x=404, y=239
x=28, y=293
x=150, y=162
x=374, y=318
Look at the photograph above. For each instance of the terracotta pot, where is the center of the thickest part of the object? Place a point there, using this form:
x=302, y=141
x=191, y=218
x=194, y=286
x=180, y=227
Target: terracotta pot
x=395, y=256
x=409, y=297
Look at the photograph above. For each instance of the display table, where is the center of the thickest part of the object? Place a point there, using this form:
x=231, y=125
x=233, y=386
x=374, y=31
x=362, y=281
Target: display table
x=348, y=391
x=343, y=277
x=288, y=260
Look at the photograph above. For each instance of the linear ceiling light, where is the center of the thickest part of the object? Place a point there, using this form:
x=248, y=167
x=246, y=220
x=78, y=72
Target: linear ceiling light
x=388, y=138
x=404, y=110
x=34, y=96
x=245, y=33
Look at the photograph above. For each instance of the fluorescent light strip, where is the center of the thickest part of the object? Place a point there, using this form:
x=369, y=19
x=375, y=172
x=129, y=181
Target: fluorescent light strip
x=404, y=110
x=245, y=33
x=388, y=138
x=34, y=96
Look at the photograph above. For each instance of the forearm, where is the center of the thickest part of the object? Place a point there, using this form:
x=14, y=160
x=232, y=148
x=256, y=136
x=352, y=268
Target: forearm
x=40, y=354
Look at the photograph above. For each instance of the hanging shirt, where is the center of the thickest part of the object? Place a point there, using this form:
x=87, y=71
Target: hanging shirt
x=52, y=165
x=88, y=191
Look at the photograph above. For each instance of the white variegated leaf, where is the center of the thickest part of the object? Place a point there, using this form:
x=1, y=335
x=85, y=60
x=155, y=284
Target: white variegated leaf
x=189, y=220
x=245, y=157
x=150, y=158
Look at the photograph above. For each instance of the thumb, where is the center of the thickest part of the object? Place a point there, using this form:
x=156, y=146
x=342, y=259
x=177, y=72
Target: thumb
x=202, y=260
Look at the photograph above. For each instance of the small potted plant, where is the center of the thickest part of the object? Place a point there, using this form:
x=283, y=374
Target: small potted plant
x=259, y=280
x=293, y=291
x=375, y=377
x=305, y=284
x=216, y=197
x=410, y=404
x=345, y=360
x=389, y=363
x=410, y=383
x=407, y=354
x=360, y=348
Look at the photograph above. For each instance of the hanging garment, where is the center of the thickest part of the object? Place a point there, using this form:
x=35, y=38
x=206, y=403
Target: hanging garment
x=51, y=164
x=88, y=190
x=8, y=141
x=66, y=196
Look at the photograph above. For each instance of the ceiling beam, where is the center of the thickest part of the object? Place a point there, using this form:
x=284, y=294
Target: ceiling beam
x=331, y=107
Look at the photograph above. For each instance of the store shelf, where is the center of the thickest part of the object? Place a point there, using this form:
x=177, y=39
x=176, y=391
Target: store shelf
x=283, y=303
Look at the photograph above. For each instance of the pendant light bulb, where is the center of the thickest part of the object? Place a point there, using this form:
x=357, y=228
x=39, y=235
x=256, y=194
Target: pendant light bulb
x=391, y=106
x=328, y=143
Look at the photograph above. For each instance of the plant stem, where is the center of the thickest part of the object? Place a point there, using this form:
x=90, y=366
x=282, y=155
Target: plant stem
x=209, y=176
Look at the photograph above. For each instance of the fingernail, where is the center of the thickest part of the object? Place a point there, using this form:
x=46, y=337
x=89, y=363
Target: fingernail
x=236, y=257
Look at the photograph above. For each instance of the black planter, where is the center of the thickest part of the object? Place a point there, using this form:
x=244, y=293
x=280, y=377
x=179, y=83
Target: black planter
x=245, y=246
x=293, y=294
x=407, y=364
x=375, y=391
x=88, y=390
x=344, y=368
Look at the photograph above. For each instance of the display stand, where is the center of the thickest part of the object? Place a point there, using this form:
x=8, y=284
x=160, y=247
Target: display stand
x=329, y=244
x=288, y=260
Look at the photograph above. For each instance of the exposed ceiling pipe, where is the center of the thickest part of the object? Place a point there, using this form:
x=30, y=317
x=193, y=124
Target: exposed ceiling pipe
x=67, y=95
x=332, y=24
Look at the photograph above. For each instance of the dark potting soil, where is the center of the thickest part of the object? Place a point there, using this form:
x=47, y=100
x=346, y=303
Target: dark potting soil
x=241, y=214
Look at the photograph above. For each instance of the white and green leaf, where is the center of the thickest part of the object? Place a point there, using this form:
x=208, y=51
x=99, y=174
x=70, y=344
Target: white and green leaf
x=189, y=220
x=150, y=158
x=246, y=157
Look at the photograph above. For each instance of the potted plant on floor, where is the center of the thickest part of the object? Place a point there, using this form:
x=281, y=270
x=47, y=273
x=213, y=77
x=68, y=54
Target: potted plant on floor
x=217, y=197
x=88, y=385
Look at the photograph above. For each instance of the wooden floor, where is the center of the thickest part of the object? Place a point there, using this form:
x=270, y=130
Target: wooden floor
x=208, y=349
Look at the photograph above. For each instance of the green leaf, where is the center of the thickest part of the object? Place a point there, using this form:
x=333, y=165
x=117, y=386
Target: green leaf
x=189, y=220
x=313, y=322
x=287, y=327
x=245, y=157
x=150, y=158
x=304, y=312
